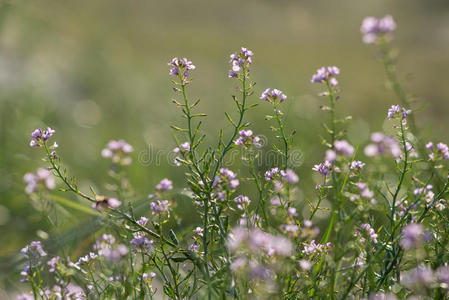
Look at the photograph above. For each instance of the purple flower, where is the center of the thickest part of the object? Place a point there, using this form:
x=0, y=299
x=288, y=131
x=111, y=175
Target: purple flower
x=142, y=221
x=246, y=138
x=373, y=27
x=225, y=178
x=42, y=177
x=383, y=144
x=274, y=96
x=86, y=259
x=118, y=152
x=344, y=148
x=242, y=202
x=141, y=243
x=33, y=251
x=198, y=230
x=417, y=278
x=366, y=230
x=291, y=211
x=290, y=176
x=305, y=264
x=160, y=206
x=270, y=174
x=326, y=74
x=365, y=192
x=356, y=165
x=181, y=66
x=323, y=168
x=413, y=235
x=239, y=61
x=165, y=185
x=40, y=136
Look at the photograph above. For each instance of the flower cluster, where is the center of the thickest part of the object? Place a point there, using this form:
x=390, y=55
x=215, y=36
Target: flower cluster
x=226, y=181
x=181, y=67
x=441, y=151
x=141, y=243
x=183, y=149
x=118, y=152
x=165, y=185
x=246, y=138
x=242, y=202
x=373, y=27
x=42, y=177
x=41, y=135
x=160, y=207
x=366, y=230
x=323, y=168
x=108, y=248
x=344, y=148
x=383, y=144
x=327, y=75
x=413, y=236
x=396, y=111
x=273, y=96
x=276, y=174
x=240, y=61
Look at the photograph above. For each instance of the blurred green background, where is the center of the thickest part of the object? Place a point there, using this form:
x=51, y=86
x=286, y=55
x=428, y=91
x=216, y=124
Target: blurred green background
x=97, y=70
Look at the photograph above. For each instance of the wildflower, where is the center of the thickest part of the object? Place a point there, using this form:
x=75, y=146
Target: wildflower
x=142, y=221
x=39, y=136
x=42, y=177
x=417, y=278
x=382, y=144
x=413, y=235
x=118, y=152
x=305, y=264
x=242, y=202
x=141, y=243
x=181, y=66
x=52, y=264
x=246, y=138
x=290, y=176
x=225, y=178
x=443, y=276
x=291, y=211
x=290, y=228
x=344, y=148
x=365, y=192
x=366, y=230
x=426, y=192
x=441, y=151
x=323, y=168
x=194, y=247
x=259, y=241
x=396, y=111
x=356, y=165
x=373, y=27
x=270, y=174
x=183, y=148
x=165, y=185
x=313, y=247
x=159, y=207
x=326, y=74
x=199, y=231
x=240, y=61
x=273, y=96
x=331, y=155
x=86, y=259
x=33, y=251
